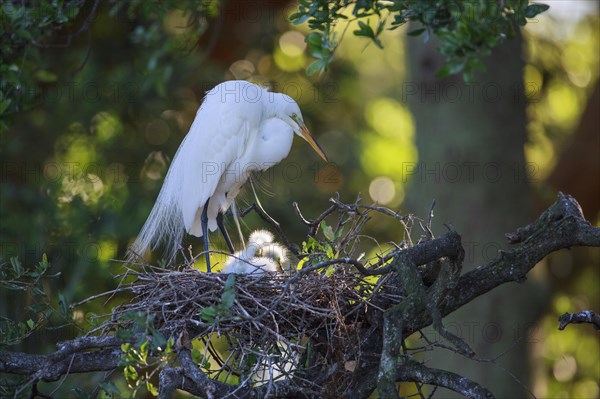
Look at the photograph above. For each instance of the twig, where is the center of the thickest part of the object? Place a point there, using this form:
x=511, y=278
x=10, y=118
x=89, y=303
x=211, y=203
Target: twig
x=585, y=316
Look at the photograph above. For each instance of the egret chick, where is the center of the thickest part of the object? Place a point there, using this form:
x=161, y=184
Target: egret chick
x=261, y=255
x=239, y=128
x=279, y=254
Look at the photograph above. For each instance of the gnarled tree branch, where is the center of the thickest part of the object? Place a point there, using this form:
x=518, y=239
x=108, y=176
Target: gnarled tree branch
x=562, y=225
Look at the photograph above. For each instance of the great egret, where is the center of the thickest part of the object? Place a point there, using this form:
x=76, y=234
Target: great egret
x=239, y=128
x=262, y=254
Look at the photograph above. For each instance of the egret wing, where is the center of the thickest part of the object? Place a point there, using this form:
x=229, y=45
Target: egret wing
x=216, y=140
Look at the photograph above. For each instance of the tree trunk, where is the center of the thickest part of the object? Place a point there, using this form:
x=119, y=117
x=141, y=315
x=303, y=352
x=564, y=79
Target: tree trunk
x=470, y=139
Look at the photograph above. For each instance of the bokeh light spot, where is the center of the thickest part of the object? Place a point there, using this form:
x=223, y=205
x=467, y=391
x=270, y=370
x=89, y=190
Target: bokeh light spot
x=288, y=63
x=157, y=132
x=292, y=43
x=242, y=69
x=390, y=118
x=564, y=368
x=106, y=126
x=382, y=190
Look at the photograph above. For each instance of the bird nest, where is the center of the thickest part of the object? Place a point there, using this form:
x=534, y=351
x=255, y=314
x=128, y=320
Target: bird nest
x=297, y=326
x=256, y=329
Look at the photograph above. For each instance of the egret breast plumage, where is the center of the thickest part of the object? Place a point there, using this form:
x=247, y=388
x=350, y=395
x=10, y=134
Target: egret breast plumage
x=239, y=128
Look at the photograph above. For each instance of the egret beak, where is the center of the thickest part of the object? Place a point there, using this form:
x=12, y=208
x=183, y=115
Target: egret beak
x=311, y=141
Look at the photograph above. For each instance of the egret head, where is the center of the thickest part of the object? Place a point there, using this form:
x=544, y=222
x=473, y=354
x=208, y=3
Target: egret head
x=292, y=116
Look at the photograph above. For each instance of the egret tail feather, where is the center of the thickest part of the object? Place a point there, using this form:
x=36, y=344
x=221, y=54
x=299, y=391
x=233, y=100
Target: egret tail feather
x=164, y=225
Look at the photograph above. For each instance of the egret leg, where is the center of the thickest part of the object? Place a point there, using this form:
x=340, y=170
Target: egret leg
x=204, y=223
x=224, y=232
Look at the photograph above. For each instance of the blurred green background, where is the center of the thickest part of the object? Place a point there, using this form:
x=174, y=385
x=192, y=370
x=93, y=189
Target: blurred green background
x=83, y=161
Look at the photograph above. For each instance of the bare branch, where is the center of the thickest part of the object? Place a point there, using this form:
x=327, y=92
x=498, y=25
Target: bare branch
x=401, y=302
x=561, y=226
x=412, y=371
x=52, y=367
x=585, y=316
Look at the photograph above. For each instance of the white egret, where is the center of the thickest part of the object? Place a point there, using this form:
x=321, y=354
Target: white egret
x=239, y=128
x=261, y=255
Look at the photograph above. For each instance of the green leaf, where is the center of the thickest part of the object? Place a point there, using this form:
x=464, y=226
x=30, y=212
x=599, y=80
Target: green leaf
x=364, y=30
x=37, y=308
x=4, y=104
x=144, y=350
x=92, y=320
x=329, y=251
x=23, y=33
x=416, y=32
x=45, y=76
x=37, y=291
x=298, y=18
x=377, y=42
x=72, y=12
x=328, y=231
x=329, y=271
x=197, y=356
x=475, y=64
x=30, y=324
x=110, y=389
x=450, y=68
x=159, y=342
x=309, y=244
x=130, y=373
x=16, y=266
x=63, y=306
x=301, y=263
x=468, y=77
x=314, y=39
x=124, y=333
x=534, y=9
x=151, y=388
x=443, y=72
x=41, y=267
x=209, y=313
x=228, y=296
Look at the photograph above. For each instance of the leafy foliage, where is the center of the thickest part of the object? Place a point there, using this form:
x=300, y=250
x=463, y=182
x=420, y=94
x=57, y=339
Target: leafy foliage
x=468, y=30
x=14, y=276
x=30, y=28
x=25, y=29
x=213, y=313
x=144, y=358
x=321, y=250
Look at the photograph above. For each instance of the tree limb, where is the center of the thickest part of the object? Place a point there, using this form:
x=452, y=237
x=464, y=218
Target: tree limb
x=561, y=226
x=412, y=371
x=585, y=316
x=51, y=368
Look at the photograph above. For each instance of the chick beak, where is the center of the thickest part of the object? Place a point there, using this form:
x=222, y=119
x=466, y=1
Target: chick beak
x=310, y=140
